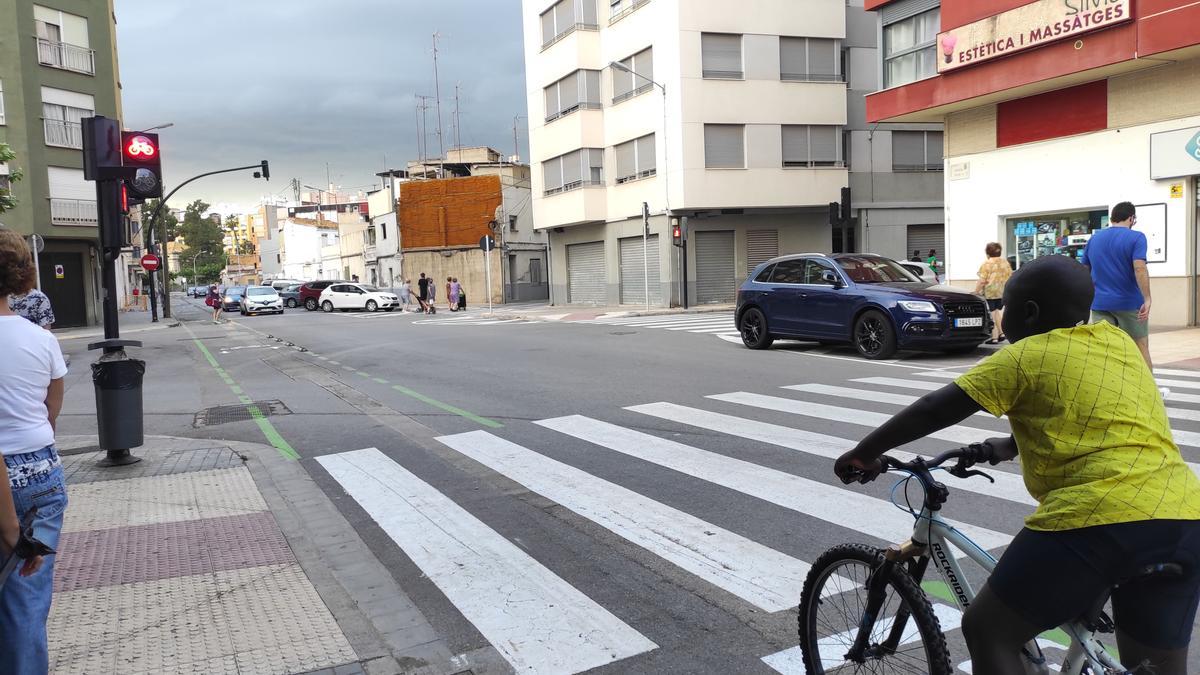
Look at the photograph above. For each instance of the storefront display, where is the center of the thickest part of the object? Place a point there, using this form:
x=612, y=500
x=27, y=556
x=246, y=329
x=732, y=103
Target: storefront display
x=1031, y=237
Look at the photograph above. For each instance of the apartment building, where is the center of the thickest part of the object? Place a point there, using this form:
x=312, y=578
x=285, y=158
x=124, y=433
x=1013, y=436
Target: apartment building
x=1054, y=112
x=58, y=65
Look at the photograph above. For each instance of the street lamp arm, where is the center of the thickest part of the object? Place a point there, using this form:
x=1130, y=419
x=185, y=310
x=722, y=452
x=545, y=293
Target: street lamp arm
x=631, y=71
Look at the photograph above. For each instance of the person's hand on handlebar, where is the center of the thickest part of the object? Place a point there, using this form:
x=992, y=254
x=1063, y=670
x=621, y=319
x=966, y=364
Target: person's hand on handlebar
x=1003, y=449
x=852, y=467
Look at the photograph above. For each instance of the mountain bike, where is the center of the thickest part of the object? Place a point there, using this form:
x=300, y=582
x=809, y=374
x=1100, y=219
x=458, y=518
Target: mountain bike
x=862, y=608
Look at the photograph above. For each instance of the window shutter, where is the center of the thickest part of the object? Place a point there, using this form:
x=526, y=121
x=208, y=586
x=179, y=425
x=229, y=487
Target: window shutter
x=933, y=149
x=548, y=32
x=568, y=92
x=823, y=143
x=724, y=146
x=596, y=164
x=643, y=64
x=795, y=145
x=552, y=173
x=590, y=83
x=898, y=11
x=908, y=150
x=552, y=108
x=823, y=60
x=793, y=63
x=622, y=80
x=645, y=154
x=626, y=167
x=721, y=55
x=564, y=16
x=586, y=11
x=572, y=170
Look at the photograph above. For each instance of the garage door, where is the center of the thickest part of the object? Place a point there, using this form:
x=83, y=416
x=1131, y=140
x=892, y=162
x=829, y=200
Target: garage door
x=715, y=278
x=585, y=273
x=924, y=237
x=633, y=272
x=761, y=246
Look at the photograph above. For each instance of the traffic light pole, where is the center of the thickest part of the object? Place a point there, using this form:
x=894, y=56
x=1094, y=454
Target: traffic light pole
x=265, y=170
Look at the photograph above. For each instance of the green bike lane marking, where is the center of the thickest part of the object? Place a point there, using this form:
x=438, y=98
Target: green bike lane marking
x=268, y=430
x=454, y=410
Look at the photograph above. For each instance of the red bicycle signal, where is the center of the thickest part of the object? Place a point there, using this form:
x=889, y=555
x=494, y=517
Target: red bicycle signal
x=140, y=148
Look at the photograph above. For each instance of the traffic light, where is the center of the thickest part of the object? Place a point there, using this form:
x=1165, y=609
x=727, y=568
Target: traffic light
x=140, y=153
x=677, y=234
x=835, y=214
x=264, y=172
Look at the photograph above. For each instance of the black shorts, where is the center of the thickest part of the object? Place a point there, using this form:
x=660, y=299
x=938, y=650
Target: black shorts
x=1050, y=578
x=995, y=305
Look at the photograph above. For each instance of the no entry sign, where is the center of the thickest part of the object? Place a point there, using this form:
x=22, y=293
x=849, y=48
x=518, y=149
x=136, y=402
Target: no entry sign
x=150, y=262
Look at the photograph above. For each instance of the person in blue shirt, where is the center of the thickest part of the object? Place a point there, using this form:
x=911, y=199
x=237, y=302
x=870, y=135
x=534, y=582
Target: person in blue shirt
x=1116, y=257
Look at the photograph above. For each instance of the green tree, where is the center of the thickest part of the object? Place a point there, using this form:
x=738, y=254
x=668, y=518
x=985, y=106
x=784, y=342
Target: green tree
x=7, y=200
x=167, y=222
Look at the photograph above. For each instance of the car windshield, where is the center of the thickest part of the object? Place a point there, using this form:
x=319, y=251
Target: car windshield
x=260, y=290
x=235, y=290
x=864, y=269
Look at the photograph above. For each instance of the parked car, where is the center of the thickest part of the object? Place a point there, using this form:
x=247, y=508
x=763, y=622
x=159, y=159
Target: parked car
x=291, y=296
x=310, y=293
x=261, y=300
x=282, y=284
x=922, y=270
x=864, y=300
x=347, y=296
x=231, y=298
x=197, y=291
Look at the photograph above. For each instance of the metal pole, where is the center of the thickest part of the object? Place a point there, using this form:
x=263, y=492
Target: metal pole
x=488, y=265
x=153, y=299
x=683, y=239
x=646, y=252
x=37, y=265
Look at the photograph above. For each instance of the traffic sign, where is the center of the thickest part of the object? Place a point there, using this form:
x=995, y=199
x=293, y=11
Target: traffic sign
x=487, y=243
x=150, y=262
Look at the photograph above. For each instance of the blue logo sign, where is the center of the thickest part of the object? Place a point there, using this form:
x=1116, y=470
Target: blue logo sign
x=1025, y=229
x=1193, y=147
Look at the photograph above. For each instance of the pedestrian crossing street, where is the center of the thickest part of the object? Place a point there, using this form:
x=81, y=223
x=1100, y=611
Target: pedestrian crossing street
x=719, y=324
x=540, y=623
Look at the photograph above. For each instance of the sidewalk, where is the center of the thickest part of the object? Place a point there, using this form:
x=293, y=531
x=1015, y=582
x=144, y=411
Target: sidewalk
x=130, y=322
x=1180, y=348
x=177, y=564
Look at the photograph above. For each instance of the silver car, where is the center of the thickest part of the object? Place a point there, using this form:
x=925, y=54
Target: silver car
x=261, y=300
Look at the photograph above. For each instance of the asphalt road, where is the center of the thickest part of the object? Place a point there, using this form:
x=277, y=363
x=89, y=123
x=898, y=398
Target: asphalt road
x=507, y=446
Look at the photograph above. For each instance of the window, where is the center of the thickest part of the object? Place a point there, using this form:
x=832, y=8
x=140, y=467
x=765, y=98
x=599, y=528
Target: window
x=635, y=159
x=62, y=40
x=721, y=56
x=565, y=17
x=62, y=124
x=814, y=273
x=512, y=223
x=809, y=59
x=619, y=9
x=765, y=275
x=574, y=170
x=383, y=230
x=916, y=151
x=909, y=49
x=579, y=90
x=724, y=146
x=627, y=84
x=788, y=272
x=810, y=145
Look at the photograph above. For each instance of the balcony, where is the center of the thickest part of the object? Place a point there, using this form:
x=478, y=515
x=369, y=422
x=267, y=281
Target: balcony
x=63, y=134
x=73, y=212
x=66, y=56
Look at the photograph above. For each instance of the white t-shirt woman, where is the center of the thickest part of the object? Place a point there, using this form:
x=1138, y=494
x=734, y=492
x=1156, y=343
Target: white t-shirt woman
x=32, y=360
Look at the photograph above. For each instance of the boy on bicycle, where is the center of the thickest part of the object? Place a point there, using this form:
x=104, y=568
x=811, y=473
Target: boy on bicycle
x=1114, y=494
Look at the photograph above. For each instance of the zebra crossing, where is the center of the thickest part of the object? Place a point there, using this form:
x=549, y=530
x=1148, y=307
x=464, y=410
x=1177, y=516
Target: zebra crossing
x=457, y=319
x=719, y=324
x=539, y=622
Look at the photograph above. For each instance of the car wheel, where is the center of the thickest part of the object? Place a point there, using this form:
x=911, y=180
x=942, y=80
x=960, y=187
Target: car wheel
x=327, y=306
x=372, y=306
x=310, y=304
x=874, y=336
x=753, y=328
x=291, y=303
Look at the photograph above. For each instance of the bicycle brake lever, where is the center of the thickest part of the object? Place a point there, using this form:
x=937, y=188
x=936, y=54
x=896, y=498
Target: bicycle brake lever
x=967, y=473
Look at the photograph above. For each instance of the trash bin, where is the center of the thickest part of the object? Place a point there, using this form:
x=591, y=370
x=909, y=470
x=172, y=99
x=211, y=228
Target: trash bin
x=118, y=381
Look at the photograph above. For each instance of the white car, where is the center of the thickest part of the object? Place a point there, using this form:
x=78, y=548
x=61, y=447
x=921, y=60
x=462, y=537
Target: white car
x=923, y=270
x=357, y=296
x=261, y=300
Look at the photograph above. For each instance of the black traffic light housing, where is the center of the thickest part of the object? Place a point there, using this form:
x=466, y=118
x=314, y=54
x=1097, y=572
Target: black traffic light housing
x=140, y=153
x=839, y=213
x=264, y=172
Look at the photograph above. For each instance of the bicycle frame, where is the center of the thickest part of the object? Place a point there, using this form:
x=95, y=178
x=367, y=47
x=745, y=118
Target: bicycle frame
x=931, y=534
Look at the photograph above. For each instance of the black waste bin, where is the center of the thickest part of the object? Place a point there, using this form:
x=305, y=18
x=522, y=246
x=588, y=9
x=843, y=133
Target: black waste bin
x=118, y=381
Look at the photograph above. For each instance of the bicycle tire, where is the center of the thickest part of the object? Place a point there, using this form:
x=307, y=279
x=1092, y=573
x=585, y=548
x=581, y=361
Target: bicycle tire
x=901, y=584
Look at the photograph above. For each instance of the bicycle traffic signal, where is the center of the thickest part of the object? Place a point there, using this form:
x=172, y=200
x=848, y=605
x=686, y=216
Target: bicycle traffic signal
x=140, y=152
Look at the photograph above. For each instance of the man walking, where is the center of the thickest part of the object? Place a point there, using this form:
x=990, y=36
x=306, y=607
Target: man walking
x=422, y=291
x=1116, y=257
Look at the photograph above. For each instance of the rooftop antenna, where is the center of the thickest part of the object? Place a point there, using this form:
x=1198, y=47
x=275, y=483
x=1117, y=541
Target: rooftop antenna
x=437, y=91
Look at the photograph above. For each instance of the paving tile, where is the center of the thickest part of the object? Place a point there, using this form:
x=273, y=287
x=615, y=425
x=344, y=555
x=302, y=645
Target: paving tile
x=156, y=461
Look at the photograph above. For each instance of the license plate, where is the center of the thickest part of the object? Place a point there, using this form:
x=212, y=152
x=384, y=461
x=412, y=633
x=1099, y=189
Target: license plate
x=969, y=322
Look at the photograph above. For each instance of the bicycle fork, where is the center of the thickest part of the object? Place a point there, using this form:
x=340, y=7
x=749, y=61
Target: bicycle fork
x=877, y=585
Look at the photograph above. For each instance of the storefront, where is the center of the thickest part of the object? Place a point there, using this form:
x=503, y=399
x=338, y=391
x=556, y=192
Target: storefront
x=1036, y=236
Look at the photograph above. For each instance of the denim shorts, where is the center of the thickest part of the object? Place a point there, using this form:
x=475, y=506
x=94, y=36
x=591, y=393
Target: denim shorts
x=36, y=479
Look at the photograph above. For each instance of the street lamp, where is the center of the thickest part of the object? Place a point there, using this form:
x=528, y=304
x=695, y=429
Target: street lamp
x=198, y=254
x=164, y=125
x=666, y=177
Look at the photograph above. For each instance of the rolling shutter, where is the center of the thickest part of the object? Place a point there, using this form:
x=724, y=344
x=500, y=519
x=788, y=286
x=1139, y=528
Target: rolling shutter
x=585, y=273
x=924, y=237
x=761, y=246
x=898, y=11
x=633, y=273
x=716, y=281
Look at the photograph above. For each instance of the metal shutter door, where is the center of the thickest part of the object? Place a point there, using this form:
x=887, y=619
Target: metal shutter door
x=761, y=246
x=924, y=237
x=633, y=276
x=585, y=273
x=715, y=279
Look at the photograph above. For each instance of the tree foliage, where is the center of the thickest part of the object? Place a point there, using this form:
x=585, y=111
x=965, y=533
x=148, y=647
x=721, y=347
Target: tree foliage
x=7, y=200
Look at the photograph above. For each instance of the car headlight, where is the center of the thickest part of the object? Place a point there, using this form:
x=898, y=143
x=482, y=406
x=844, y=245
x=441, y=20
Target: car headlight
x=228, y=299
x=917, y=306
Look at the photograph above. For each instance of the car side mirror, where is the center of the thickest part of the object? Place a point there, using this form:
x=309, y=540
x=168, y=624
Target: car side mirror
x=829, y=277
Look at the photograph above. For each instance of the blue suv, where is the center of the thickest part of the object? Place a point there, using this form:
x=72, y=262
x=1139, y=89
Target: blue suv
x=868, y=301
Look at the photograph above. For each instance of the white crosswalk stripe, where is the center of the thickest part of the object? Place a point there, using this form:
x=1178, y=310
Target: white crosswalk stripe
x=864, y=395
x=537, y=621
x=719, y=324
x=873, y=517
x=899, y=382
x=1175, y=372
x=759, y=575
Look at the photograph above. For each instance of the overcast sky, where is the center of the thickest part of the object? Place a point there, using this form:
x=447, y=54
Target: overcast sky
x=304, y=83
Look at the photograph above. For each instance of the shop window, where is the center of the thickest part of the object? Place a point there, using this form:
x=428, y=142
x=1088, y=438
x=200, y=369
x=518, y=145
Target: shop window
x=1032, y=237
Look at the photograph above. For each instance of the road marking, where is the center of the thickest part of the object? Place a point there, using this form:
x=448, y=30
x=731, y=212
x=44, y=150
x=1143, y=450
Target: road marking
x=1181, y=384
x=380, y=380
x=724, y=325
x=1009, y=486
x=1177, y=373
x=841, y=507
x=897, y=382
x=865, y=395
x=762, y=576
x=493, y=424
x=536, y=620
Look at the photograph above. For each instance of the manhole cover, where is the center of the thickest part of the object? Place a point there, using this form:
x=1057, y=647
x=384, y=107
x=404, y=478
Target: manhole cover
x=224, y=414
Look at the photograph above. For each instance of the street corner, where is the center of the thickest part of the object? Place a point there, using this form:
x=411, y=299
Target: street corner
x=177, y=562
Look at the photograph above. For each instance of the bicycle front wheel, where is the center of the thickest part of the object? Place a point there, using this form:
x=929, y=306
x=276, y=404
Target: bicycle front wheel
x=832, y=607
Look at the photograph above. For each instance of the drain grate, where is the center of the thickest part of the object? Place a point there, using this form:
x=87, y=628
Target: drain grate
x=224, y=414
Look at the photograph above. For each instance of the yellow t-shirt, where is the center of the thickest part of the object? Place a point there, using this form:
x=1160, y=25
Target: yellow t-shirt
x=1095, y=445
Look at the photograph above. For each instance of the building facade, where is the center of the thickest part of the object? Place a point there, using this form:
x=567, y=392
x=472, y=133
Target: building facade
x=740, y=121
x=58, y=65
x=1054, y=111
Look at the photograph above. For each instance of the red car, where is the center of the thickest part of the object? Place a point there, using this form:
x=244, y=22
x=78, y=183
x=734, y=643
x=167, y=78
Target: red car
x=310, y=293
